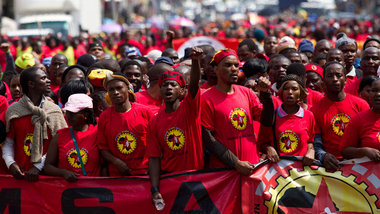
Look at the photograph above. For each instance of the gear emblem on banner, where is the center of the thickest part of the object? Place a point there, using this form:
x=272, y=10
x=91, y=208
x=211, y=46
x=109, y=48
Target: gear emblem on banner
x=319, y=191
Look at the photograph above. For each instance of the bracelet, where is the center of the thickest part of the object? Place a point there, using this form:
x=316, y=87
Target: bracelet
x=154, y=190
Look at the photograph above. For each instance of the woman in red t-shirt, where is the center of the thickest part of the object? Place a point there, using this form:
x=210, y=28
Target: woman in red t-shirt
x=362, y=135
x=294, y=126
x=62, y=156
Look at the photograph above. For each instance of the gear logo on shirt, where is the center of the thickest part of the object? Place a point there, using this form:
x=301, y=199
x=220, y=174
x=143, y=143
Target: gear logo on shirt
x=126, y=142
x=28, y=144
x=238, y=117
x=288, y=141
x=175, y=138
x=73, y=158
x=339, y=123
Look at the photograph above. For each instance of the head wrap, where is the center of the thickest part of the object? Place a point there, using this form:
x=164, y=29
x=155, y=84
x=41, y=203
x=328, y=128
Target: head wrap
x=132, y=51
x=97, y=76
x=165, y=60
x=24, y=61
x=172, y=75
x=221, y=54
x=120, y=77
x=344, y=40
x=285, y=43
x=315, y=68
x=78, y=102
x=306, y=46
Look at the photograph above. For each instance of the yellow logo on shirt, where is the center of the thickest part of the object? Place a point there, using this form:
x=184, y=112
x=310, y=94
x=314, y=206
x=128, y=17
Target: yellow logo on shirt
x=238, y=117
x=28, y=144
x=126, y=142
x=73, y=158
x=288, y=141
x=339, y=123
x=175, y=138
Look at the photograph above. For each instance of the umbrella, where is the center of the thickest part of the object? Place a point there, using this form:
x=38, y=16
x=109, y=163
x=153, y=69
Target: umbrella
x=111, y=28
x=156, y=21
x=182, y=21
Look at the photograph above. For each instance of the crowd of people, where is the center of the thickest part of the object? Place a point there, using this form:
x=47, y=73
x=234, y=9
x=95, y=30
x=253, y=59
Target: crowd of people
x=117, y=106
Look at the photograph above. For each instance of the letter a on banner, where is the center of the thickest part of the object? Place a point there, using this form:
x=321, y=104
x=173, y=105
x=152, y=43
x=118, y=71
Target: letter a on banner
x=200, y=193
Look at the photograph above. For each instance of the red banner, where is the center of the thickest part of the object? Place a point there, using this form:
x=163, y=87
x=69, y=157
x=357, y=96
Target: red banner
x=285, y=187
x=214, y=192
x=290, y=187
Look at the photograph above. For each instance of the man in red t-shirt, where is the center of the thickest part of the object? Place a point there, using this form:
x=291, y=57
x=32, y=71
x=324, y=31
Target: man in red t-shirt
x=122, y=129
x=151, y=97
x=227, y=114
x=174, y=136
x=332, y=114
x=369, y=64
x=30, y=123
x=56, y=61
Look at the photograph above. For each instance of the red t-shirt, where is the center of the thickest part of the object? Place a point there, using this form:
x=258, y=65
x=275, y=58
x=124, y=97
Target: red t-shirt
x=353, y=88
x=350, y=80
x=230, y=116
x=332, y=118
x=3, y=107
x=293, y=132
x=205, y=86
x=143, y=97
x=176, y=137
x=68, y=156
x=363, y=131
x=124, y=135
x=21, y=131
x=54, y=88
x=313, y=97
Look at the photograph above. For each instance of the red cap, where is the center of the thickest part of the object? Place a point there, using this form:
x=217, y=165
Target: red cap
x=219, y=56
x=172, y=75
x=317, y=69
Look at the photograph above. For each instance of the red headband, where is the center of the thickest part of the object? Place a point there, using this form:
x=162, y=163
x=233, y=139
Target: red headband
x=317, y=69
x=221, y=54
x=172, y=75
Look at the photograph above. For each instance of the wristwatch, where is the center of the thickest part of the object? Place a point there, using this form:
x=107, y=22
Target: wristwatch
x=154, y=189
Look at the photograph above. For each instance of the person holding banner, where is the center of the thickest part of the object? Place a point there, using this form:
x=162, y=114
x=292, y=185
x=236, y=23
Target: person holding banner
x=293, y=129
x=174, y=137
x=73, y=151
x=332, y=114
x=123, y=128
x=362, y=135
x=228, y=111
x=30, y=124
